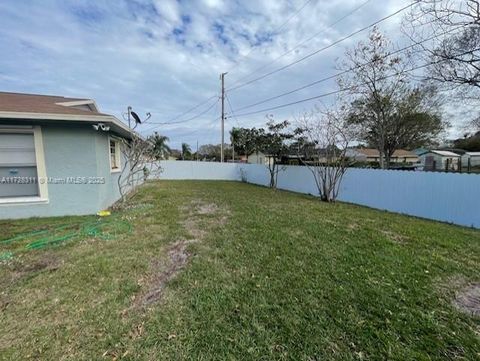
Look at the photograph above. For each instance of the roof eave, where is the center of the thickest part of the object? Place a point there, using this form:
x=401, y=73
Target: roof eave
x=117, y=125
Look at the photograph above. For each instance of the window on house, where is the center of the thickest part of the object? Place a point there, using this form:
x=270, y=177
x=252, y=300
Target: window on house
x=114, y=155
x=18, y=165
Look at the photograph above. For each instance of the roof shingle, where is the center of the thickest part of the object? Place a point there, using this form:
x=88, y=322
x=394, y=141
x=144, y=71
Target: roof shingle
x=35, y=103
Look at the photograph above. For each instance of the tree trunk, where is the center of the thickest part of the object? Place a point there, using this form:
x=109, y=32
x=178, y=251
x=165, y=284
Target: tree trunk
x=381, y=159
x=387, y=160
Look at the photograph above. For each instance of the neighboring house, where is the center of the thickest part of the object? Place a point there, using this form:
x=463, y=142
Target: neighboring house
x=371, y=155
x=471, y=159
x=58, y=156
x=259, y=158
x=440, y=160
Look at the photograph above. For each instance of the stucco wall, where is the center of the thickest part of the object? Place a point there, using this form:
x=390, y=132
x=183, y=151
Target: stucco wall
x=72, y=151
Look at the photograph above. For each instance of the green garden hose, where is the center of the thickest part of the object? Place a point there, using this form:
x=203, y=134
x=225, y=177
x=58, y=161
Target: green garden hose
x=103, y=229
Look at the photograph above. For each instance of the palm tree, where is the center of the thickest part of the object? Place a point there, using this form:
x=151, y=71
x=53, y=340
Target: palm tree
x=186, y=151
x=161, y=150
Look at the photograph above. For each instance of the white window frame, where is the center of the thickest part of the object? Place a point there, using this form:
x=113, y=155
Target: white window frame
x=40, y=163
x=118, y=158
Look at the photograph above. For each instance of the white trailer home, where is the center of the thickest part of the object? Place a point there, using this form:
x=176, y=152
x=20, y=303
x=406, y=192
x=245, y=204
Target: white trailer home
x=440, y=160
x=471, y=159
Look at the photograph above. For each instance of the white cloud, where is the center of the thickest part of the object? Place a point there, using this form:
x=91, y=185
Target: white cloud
x=169, y=9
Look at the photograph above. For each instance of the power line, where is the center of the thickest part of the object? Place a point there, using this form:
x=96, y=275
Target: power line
x=210, y=124
x=347, y=70
x=303, y=42
x=157, y=124
x=336, y=42
x=245, y=56
x=189, y=119
x=345, y=89
x=275, y=31
x=231, y=109
x=172, y=120
x=293, y=15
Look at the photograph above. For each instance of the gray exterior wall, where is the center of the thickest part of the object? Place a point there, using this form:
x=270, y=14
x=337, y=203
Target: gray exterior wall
x=72, y=151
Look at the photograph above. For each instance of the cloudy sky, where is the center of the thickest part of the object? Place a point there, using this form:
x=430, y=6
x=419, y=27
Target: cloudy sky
x=165, y=56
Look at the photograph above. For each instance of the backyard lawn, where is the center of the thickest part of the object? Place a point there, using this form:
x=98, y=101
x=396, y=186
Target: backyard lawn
x=197, y=270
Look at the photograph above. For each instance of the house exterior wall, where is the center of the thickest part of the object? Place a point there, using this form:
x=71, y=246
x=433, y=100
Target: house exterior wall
x=474, y=160
x=256, y=158
x=71, y=151
x=259, y=158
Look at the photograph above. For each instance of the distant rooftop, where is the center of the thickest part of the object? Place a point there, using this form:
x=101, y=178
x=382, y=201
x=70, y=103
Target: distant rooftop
x=370, y=152
x=444, y=153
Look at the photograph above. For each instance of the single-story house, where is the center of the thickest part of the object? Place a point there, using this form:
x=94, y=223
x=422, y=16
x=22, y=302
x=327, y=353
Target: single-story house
x=440, y=160
x=371, y=155
x=58, y=156
x=259, y=158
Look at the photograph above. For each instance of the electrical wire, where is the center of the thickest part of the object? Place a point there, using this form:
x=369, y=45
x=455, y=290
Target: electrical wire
x=343, y=90
x=172, y=120
x=303, y=42
x=189, y=119
x=158, y=124
x=336, y=42
x=275, y=31
x=231, y=109
x=330, y=77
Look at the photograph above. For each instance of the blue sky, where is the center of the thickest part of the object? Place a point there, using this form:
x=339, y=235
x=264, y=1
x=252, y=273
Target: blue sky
x=165, y=56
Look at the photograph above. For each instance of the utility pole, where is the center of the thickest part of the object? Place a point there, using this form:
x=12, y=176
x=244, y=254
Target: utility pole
x=197, y=150
x=222, y=77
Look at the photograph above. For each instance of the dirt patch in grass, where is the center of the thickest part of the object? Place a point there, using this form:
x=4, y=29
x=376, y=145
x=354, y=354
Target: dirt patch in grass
x=206, y=208
x=197, y=207
x=468, y=299
x=177, y=259
x=177, y=254
x=197, y=211
x=47, y=263
x=192, y=227
x=395, y=237
x=353, y=226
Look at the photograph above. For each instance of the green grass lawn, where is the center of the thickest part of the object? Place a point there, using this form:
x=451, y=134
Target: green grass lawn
x=195, y=270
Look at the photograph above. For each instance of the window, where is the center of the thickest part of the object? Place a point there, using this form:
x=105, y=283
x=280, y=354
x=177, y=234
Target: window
x=114, y=146
x=21, y=165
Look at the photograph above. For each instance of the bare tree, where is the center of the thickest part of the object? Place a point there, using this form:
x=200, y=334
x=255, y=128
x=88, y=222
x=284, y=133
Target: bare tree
x=323, y=138
x=455, y=52
x=476, y=124
x=377, y=83
x=138, y=156
x=388, y=111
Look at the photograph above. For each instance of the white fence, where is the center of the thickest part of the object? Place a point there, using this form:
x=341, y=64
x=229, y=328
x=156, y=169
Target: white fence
x=449, y=197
